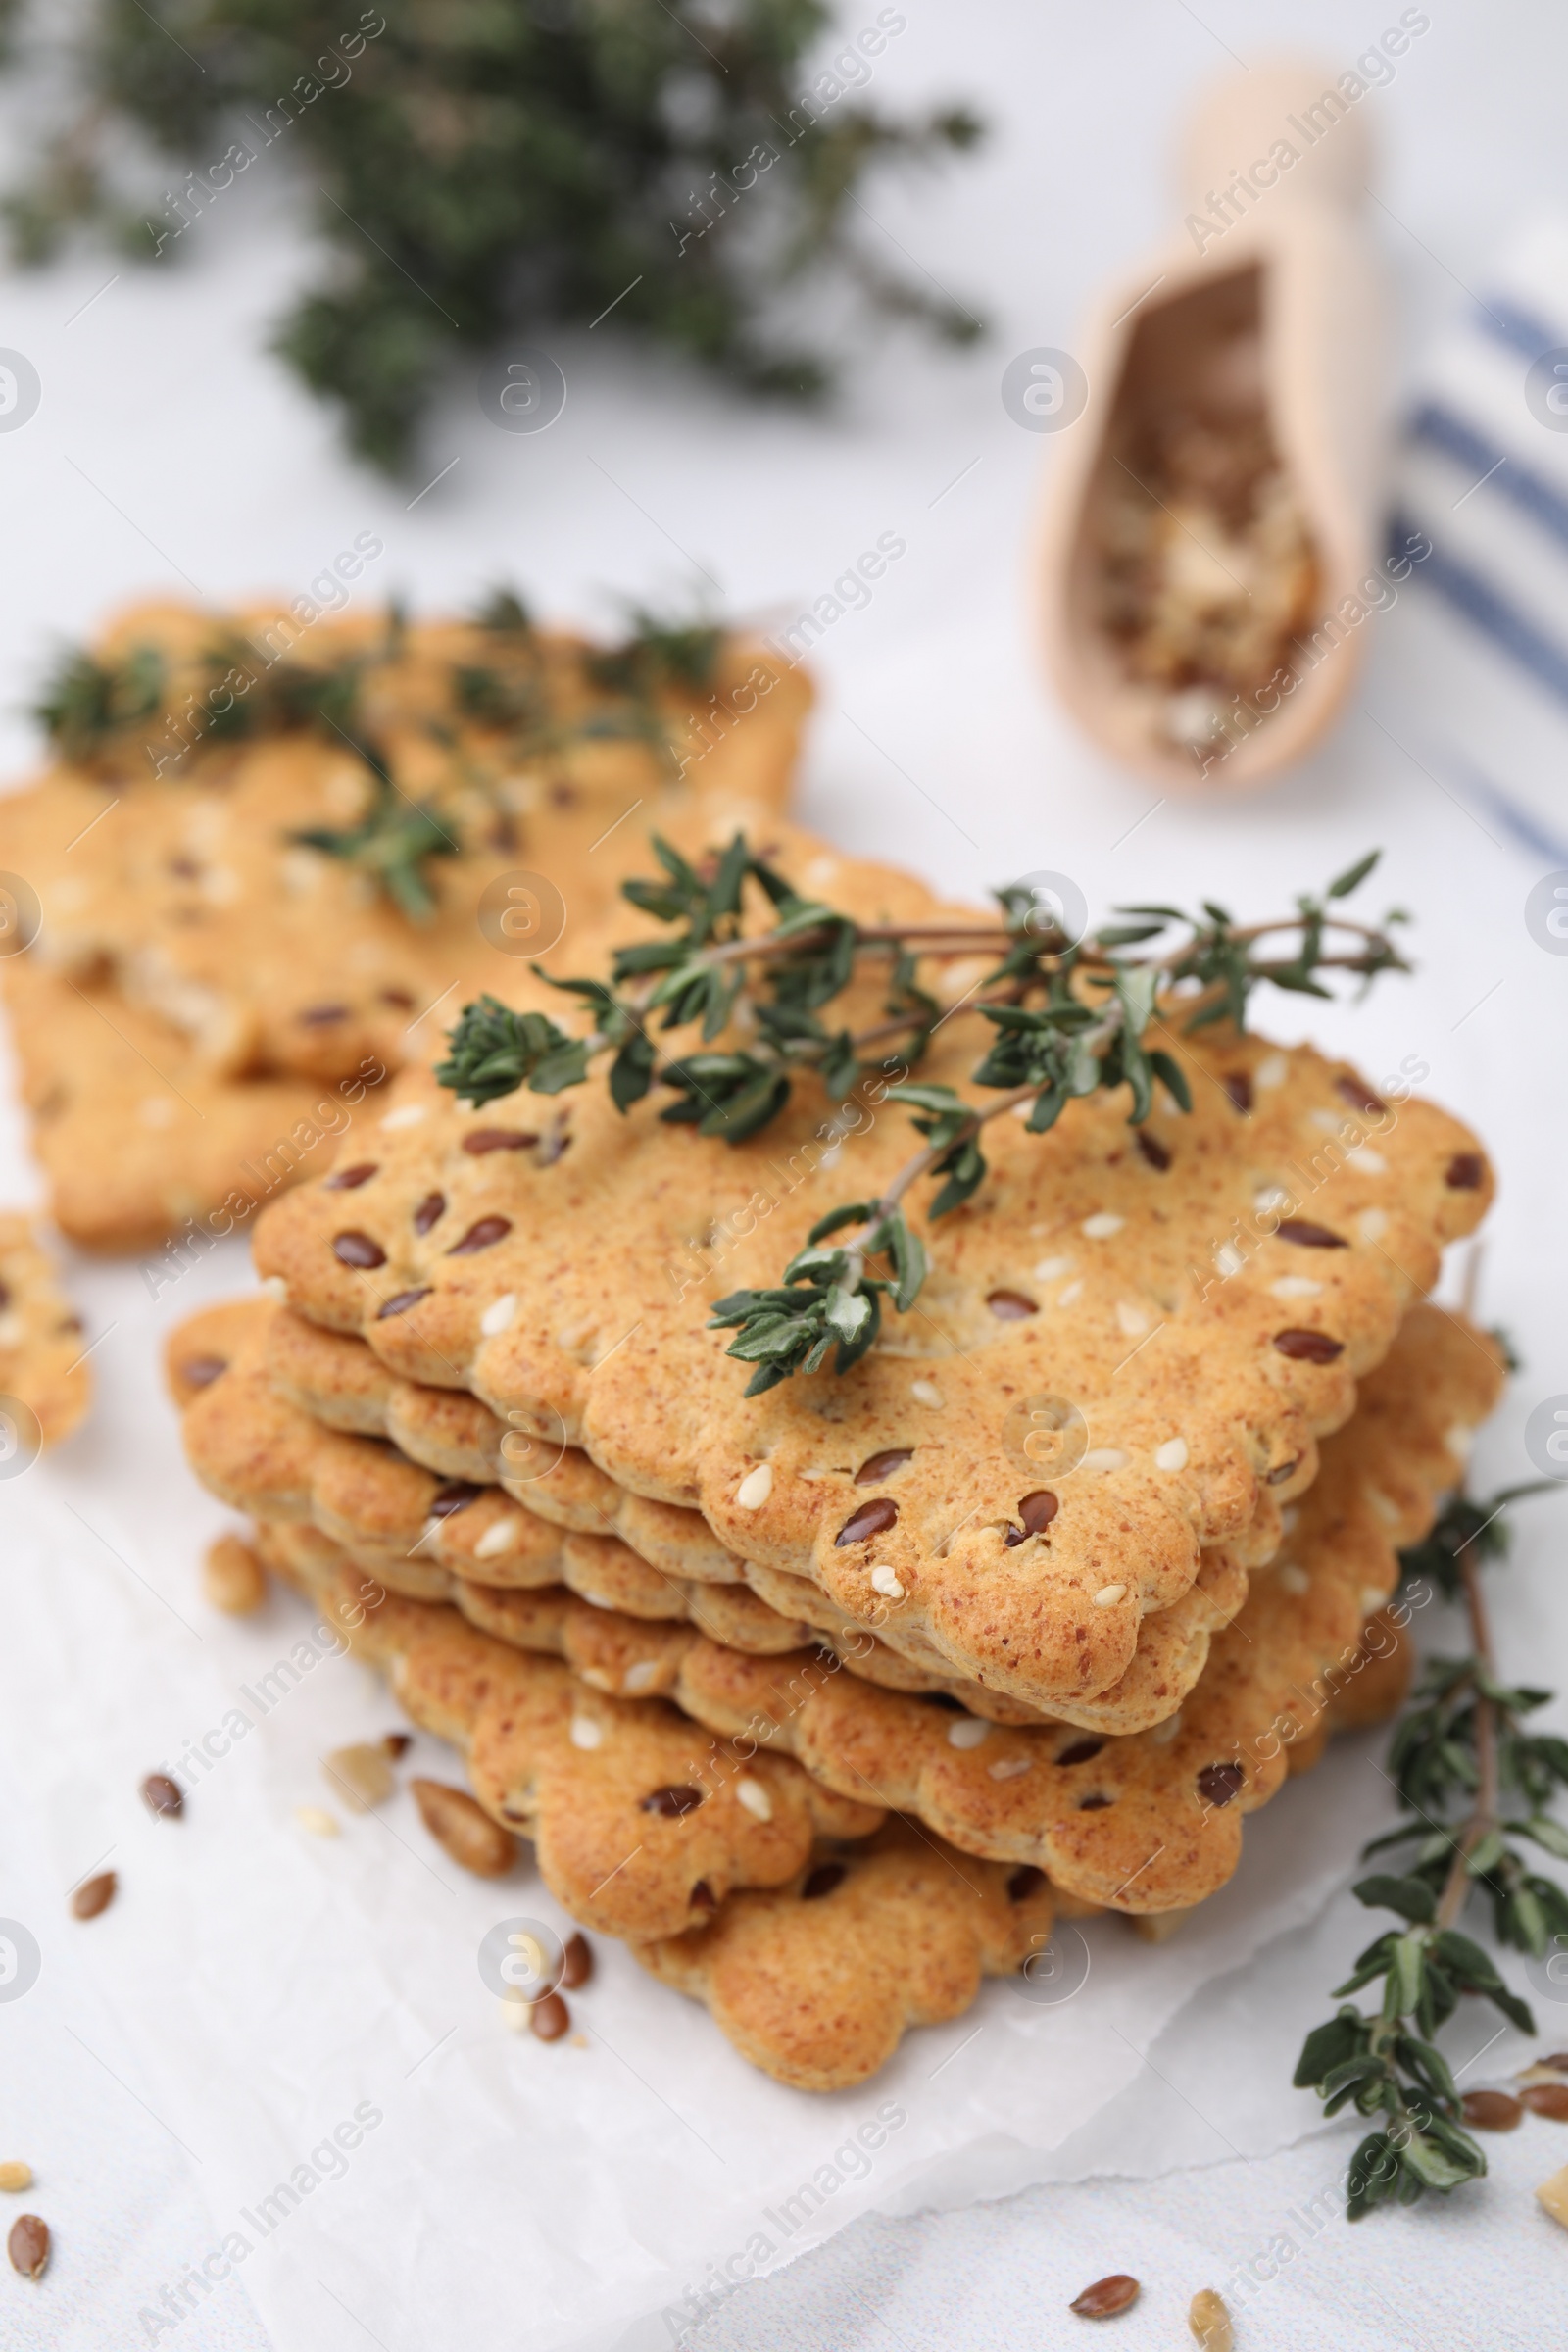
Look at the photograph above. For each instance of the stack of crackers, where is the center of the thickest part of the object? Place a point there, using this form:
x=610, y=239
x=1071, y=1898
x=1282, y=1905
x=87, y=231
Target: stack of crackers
x=829, y=1701
x=273, y=854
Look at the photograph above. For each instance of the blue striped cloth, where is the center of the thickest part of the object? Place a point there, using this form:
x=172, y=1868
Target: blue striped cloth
x=1483, y=478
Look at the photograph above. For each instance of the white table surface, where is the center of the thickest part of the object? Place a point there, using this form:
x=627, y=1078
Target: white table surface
x=170, y=454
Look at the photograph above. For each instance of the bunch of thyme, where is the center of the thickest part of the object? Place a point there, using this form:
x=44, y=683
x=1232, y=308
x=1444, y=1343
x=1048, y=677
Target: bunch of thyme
x=481, y=172
x=1472, y=1782
x=1069, y=1018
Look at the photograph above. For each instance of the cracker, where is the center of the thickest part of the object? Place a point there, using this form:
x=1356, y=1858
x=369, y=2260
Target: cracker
x=339, y=1380
x=137, y=1141
x=184, y=889
x=256, y=1448
x=1152, y=1822
x=1141, y=1287
x=816, y=1982
x=43, y=1358
x=642, y=1825
x=354, y=1500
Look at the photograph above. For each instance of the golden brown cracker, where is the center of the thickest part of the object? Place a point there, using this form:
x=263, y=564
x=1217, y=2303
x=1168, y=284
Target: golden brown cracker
x=168, y=860
x=816, y=1982
x=139, y=1142
x=641, y=1822
x=1206, y=1307
x=1154, y=1821
x=43, y=1352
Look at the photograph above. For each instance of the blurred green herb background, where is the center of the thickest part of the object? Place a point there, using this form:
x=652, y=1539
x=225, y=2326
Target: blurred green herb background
x=487, y=170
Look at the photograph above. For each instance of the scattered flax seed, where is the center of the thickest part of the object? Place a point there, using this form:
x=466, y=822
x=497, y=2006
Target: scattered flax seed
x=162, y=1796
x=576, y=1962
x=15, y=2177
x=1548, y=2098
x=1107, y=2297
x=317, y=1820
x=397, y=1744
x=233, y=1579
x=1210, y=2321
x=550, y=2018
x=360, y=1773
x=474, y=1840
x=29, y=2246
x=1492, y=2111
x=92, y=1896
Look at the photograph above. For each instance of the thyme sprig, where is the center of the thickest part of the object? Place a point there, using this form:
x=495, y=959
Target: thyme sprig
x=1070, y=1018
x=90, y=708
x=392, y=840
x=1472, y=1781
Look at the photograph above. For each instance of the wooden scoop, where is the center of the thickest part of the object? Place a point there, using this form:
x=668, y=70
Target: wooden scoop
x=1209, y=548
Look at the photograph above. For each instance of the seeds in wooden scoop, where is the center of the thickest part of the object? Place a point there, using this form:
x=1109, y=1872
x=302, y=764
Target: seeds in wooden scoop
x=92, y=1896
x=1107, y=2297
x=464, y=1828
x=29, y=2246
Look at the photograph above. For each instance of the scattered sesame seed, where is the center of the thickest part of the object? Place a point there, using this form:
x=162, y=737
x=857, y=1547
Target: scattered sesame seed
x=1332, y=1122
x=1371, y=1599
x=1229, y=1260
x=885, y=1582
x=755, y=1488
x=755, y=1797
x=316, y=1820
x=1372, y=1224
x=1460, y=1439
x=406, y=1114
x=1132, y=1320
x=1272, y=1196
x=498, y=1538
x=1071, y=1294
x=1051, y=1269
x=1103, y=1224
x=640, y=1677
x=1164, y=1733
x=926, y=1392
x=1108, y=1595
x=585, y=1732
x=499, y=1314
x=1271, y=1071
x=1296, y=1286
x=1293, y=1579
x=968, y=1731
x=1009, y=1768
x=1104, y=1457
x=1172, y=1455
x=1366, y=1161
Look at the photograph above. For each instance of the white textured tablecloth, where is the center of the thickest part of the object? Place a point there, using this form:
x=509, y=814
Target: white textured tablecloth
x=168, y=455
